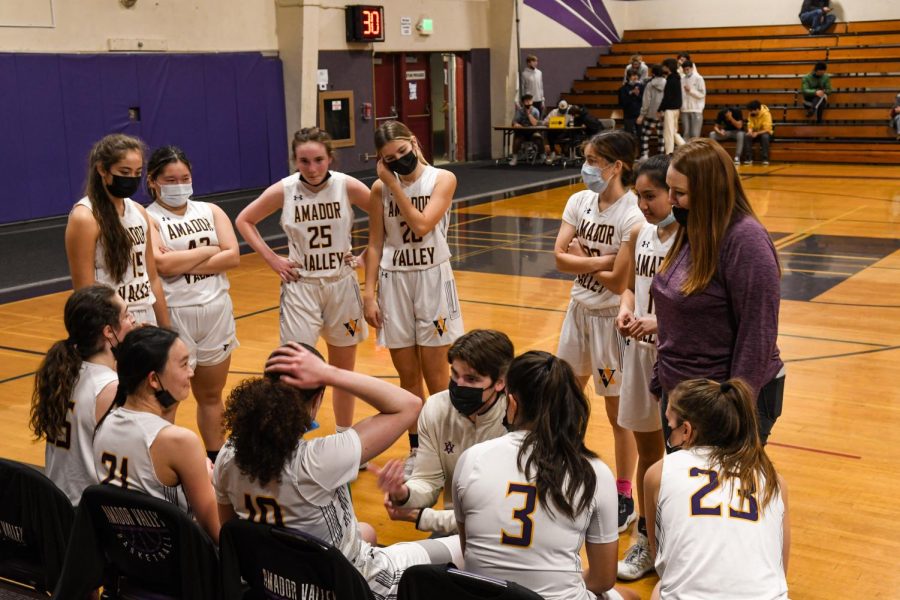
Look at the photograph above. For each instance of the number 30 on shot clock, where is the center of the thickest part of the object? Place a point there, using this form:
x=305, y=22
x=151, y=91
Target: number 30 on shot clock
x=365, y=23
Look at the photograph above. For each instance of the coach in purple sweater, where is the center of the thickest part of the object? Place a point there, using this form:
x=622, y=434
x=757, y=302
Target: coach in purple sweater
x=717, y=293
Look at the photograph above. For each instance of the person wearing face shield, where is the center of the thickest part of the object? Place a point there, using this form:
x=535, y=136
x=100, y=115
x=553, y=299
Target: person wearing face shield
x=195, y=246
x=471, y=411
x=107, y=234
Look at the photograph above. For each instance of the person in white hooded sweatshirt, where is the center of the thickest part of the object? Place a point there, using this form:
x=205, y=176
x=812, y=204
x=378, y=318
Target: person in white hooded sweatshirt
x=693, y=101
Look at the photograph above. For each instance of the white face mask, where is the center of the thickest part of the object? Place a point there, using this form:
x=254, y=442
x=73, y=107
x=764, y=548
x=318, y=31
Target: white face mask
x=176, y=195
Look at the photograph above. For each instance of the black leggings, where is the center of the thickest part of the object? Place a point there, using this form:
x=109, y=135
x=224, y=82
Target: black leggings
x=769, y=403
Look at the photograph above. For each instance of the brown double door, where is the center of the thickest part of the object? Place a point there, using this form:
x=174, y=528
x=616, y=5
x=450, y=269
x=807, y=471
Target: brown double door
x=426, y=91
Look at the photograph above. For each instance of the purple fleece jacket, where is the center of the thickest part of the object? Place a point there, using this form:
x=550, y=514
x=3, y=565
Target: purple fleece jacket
x=730, y=328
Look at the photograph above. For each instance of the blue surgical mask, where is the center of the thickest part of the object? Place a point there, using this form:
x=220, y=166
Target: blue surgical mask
x=667, y=221
x=593, y=178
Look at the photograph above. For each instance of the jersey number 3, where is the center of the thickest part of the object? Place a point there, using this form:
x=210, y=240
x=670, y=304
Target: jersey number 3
x=523, y=515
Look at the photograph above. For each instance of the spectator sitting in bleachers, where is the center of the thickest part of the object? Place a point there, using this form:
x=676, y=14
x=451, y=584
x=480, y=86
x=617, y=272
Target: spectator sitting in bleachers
x=759, y=127
x=555, y=140
x=730, y=126
x=693, y=101
x=631, y=94
x=637, y=64
x=895, y=116
x=526, y=115
x=650, y=116
x=816, y=16
x=815, y=88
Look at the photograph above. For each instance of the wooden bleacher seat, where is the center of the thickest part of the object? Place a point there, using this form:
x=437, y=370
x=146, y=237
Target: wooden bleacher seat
x=766, y=63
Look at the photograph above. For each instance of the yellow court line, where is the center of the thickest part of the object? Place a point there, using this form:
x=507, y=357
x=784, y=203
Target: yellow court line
x=819, y=272
x=796, y=237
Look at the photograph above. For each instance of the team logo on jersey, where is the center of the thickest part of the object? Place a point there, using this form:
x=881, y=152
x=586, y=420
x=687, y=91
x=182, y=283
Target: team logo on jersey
x=607, y=376
x=440, y=325
x=352, y=327
x=225, y=347
x=645, y=244
x=449, y=447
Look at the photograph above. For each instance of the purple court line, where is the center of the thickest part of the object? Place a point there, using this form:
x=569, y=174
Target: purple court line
x=816, y=450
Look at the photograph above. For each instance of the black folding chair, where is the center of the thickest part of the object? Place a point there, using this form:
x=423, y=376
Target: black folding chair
x=35, y=521
x=139, y=548
x=445, y=582
x=264, y=561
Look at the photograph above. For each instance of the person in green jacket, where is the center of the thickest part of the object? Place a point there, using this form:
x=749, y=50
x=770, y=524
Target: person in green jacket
x=815, y=88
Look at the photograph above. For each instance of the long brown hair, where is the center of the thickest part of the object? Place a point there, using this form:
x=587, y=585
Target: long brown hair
x=554, y=410
x=716, y=195
x=113, y=237
x=616, y=145
x=395, y=130
x=724, y=419
x=87, y=312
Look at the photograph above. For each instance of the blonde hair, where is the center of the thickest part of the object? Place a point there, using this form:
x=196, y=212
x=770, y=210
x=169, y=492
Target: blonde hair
x=391, y=131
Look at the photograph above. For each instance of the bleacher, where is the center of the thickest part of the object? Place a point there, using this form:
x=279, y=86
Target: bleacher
x=766, y=63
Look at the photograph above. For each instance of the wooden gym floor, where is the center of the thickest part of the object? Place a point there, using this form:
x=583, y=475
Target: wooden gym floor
x=836, y=228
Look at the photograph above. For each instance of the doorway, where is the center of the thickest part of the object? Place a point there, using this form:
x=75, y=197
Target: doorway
x=426, y=91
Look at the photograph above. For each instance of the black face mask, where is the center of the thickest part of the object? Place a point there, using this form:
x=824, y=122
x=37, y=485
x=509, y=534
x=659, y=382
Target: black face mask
x=115, y=349
x=123, y=187
x=681, y=215
x=467, y=400
x=324, y=179
x=404, y=165
x=507, y=425
x=165, y=399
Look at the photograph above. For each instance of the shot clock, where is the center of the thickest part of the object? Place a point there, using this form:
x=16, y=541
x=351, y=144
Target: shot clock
x=365, y=23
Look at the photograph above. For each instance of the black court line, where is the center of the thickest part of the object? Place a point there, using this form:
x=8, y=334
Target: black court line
x=256, y=312
x=8, y=379
x=23, y=350
x=854, y=304
x=842, y=355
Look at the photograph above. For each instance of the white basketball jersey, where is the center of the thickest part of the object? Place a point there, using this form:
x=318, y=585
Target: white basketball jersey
x=318, y=225
x=600, y=233
x=312, y=495
x=713, y=543
x=135, y=285
x=196, y=227
x=122, y=455
x=69, y=460
x=649, y=253
x=403, y=249
x=510, y=535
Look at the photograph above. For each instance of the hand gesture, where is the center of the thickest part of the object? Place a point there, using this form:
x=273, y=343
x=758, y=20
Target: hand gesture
x=372, y=312
x=642, y=327
x=398, y=513
x=386, y=176
x=639, y=120
x=285, y=268
x=353, y=261
x=624, y=320
x=391, y=480
x=298, y=366
x=575, y=248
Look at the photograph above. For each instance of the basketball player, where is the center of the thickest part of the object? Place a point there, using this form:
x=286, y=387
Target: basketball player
x=75, y=386
x=638, y=408
x=107, y=233
x=319, y=290
x=196, y=245
x=717, y=510
x=526, y=502
x=469, y=412
x=138, y=446
x=268, y=474
x=596, y=222
x=417, y=310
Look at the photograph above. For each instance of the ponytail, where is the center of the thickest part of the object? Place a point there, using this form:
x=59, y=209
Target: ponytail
x=554, y=410
x=724, y=417
x=87, y=312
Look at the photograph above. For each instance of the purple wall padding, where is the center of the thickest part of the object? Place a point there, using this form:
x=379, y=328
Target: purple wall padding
x=478, y=94
x=352, y=71
x=561, y=67
x=225, y=110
